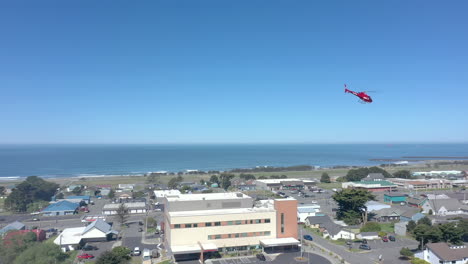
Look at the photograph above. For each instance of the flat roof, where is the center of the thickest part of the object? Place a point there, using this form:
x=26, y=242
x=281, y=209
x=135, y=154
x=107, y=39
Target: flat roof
x=273, y=242
x=185, y=249
x=271, y=181
x=70, y=236
x=208, y=196
x=222, y=212
x=128, y=205
x=162, y=193
x=209, y=247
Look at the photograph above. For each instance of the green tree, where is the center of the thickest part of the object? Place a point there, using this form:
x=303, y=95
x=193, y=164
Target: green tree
x=122, y=214
x=151, y=222
x=359, y=174
x=371, y=227
x=111, y=194
x=122, y=252
x=405, y=174
x=109, y=257
x=420, y=233
x=463, y=225
x=59, y=196
x=406, y=253
x=42, y=253
x=325, y=178
x=214, y=179
x=451, y=233
x=173, y=183
x=202, y=181
x=77, y=190
x=2, y=190
x=425, y=220
x=418, y=261
x=262, y=177
x=30, y=190
x=225, y=179
x=351, y=205
x=247, y=177
x=410, y=226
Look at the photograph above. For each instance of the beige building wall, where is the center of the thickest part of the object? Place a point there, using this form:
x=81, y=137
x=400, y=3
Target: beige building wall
x=191, y=236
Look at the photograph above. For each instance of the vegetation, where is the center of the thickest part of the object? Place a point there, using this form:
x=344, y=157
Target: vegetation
x=419, y=261
x=174, y=182
x=359, y=174
x=448, y=232
x=371, y=227
x=118, y=255
x=225, y=180
x=33, y=189
x=351, y=205
x=122, y=214
x=111, y=194
x=325, y=178
x=406, y=253
x=214, y=179
x=405, y=174
x=247, y=177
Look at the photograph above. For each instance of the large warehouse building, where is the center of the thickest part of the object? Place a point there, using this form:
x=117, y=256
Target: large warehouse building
x=224, y=222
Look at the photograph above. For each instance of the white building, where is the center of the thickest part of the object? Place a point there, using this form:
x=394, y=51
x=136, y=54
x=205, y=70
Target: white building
x=132, y=208
x=443, y=253
x=72, y=238
x=376, y=206
x=126, y=187
x=305, y=211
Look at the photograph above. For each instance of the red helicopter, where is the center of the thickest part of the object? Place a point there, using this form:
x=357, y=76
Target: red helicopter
x=365, y=98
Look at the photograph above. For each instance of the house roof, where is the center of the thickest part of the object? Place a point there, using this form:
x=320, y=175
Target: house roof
x=314, y=220
x=381, y=183
x=446, y=252
x=388, y=212
x=374, y=176
x=12, y=226
x=369, y=234
x=61, y=206
x=83, y=197
x=70, y=236
x=394, y=194
x=306, y=210
x=100, y=225
x=449, y=204
x=331, y=228
x=410, y=212
x=413, y=200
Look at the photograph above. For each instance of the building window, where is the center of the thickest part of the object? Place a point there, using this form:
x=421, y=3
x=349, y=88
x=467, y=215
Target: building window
x=210, y=237
x=207, y=224
x=282, y=223
x=217, y=223
x=251, y=221
x=229, y=235
x=177, y=226
x=267, y=233
x=195, y=225
x=244, y=234
x=238, y=222
x=257, y=221
x=267, y=220
x=236, y=235
x=230, y=222
x=188, y=225
x=245, y=222
x=217, y=236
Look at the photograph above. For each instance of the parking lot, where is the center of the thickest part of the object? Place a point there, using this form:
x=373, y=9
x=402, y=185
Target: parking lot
x=240, y=260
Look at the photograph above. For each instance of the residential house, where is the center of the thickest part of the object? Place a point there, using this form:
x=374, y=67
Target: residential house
x=336, y=232
x=40, y=235
x=443, y=253
x=387, y=215
x=374, y=177
x=411, y=215
x=368, y=235
x=316, y=221
x=132, y=208
x=375, y=206
x=126, y=186
x=60, y=208
x=12, y=226
x=448, y=207
x=73, y=238
x=72, y=187
x=395, y=198
x=305, y=211
x=421, y=203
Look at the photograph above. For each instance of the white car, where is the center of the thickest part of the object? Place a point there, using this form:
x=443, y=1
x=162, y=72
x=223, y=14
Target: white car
x=136, y=251
x=314, y=202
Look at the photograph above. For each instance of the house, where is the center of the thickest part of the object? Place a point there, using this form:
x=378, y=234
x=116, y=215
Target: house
x=247, y=187
x=40, y=235
x=411, y=215
x=60, y=208
x=124, y=197
x=375, y=206
x=104, y=186
x=448, y=207
x=436, y=253
x=394, y=197
x=126, y=186
x=373, y=186
x=374, y=177
x=416, y=202
x=368, y=235
x=336, y=232
x=132, y=208
x=12, y=226
x=388, y=215
x=72, y=187
x=305, y=211
x=317, y=221
x=72, y=238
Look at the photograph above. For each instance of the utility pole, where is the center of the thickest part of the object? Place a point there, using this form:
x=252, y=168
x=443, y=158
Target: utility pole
x=302, y=244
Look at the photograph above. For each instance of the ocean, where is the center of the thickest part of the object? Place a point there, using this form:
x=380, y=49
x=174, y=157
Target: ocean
x=96, y=160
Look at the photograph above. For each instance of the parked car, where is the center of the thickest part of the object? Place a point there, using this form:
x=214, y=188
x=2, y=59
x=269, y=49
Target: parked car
x=349, y=242
x=36, y=219
x=364, y=241
x=391, y=238
x=140, y=229
x=261, y=257
x=385, y=239
x=365, y=246
x=308, y=237
x=89, y=247
x=85, y=256
x=140, y=223
x=136, y=252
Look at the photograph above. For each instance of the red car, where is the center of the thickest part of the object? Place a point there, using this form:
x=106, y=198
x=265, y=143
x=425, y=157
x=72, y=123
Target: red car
x=385, y=239
x=85, y=256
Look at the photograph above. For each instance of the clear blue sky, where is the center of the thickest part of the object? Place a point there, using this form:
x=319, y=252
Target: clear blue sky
x=232, y=71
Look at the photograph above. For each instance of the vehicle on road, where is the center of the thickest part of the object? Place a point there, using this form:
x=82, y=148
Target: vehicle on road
x=391, y=238
x=85, y=256
x=89, y=247
x=136, y=252
x=140, y=223
x=36, y=219
x=349, y=242
x=308, y=237
x=385, y=239
x=261, y=257
x=365, y=246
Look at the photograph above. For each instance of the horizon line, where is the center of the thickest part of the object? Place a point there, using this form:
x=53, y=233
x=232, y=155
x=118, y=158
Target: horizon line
x=235, y=143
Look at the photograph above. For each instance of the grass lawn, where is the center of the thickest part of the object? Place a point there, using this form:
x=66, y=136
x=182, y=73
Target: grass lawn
x=329, y=186
x=165, y=262
x=387, y=227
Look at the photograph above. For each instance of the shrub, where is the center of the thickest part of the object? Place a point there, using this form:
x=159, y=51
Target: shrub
x=371, y=227
x=382, y=234
x=419, y=261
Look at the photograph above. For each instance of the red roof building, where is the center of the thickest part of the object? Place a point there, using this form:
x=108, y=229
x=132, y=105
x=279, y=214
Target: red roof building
x=40, y=234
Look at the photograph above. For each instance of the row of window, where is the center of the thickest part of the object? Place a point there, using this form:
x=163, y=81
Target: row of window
x=235, y=235
x=236, y=222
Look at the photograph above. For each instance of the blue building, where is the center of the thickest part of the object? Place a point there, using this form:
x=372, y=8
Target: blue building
x=79, y=198
x=61, y=208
